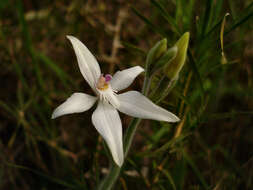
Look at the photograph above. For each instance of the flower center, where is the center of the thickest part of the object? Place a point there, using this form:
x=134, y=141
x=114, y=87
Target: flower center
x=103, y=82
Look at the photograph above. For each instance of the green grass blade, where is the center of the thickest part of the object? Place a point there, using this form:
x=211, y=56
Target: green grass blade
x=206, y=19
x=3, y=4
x=61, y=74
x=195, y=170
x=49, y=178
x=20, y=74
x=134, y=49
x=179, y=173
x=217, y=10
x=169, y=177
x=166, y=16
x=189, y=14
x=28, y=41
x=217, y=116
x=214, y=28
x=239, y=22
x=230, y=161
x=149, y=23
x=164, y=147
x=196, y=72
x=248, y=7
x=8, y=109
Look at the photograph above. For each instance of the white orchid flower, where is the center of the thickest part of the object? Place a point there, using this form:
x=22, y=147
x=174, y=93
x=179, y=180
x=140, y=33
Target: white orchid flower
x=106, y=117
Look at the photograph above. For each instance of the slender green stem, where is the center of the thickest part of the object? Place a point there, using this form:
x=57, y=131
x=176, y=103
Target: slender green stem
x=169, y=86
x=130, y=134
x=114, y=172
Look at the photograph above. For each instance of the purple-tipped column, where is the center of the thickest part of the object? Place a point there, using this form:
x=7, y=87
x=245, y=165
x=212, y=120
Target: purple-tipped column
x=108, y=77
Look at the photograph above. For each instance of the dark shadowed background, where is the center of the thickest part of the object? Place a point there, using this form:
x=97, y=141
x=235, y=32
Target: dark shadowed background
x=211, y=148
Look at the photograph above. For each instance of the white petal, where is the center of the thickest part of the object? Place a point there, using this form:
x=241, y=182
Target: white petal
x=135, y=104
x=76, y=103
x=107, y=121
x=123, y=79
x=88, y=65
x=109, y=96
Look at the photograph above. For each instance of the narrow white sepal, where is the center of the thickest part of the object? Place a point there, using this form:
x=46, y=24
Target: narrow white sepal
x=123, y=79
x=87, y=63
x=76, y=103
x=135, y=104
x=107, y=122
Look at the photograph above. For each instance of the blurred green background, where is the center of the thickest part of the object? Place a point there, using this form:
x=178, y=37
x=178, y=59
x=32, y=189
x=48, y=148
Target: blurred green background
x=211, y=148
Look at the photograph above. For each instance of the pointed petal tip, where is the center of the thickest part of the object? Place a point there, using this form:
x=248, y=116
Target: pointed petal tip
x=123, y=79
x=107, y=122
x=187, y=34
x=172, y=118
x=53, y=116
x=76, y=103
x=70, y=37
x=140, y=68
x=135, y=104
x=87, y=63
x=119, y=159
x=176, y=119
x=119, y=163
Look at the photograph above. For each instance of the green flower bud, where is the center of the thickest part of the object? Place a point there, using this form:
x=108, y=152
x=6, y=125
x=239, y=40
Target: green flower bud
x=166, y=58
x=173, y=69
x=155, y=53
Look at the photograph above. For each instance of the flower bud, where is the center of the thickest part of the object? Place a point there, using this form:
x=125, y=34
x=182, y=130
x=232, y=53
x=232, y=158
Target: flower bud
x=166, y=58
x=173, y=69
x=155, y=53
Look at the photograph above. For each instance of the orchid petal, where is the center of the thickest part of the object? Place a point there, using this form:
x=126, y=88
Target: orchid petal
x=88, y=65
x=123, y=79
x=113, y=100
x=109, y=96
x=135, y=104
x=107, y=122
x=76, y=103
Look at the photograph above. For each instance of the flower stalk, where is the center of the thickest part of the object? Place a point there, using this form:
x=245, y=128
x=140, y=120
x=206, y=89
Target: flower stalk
x=114, y=171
